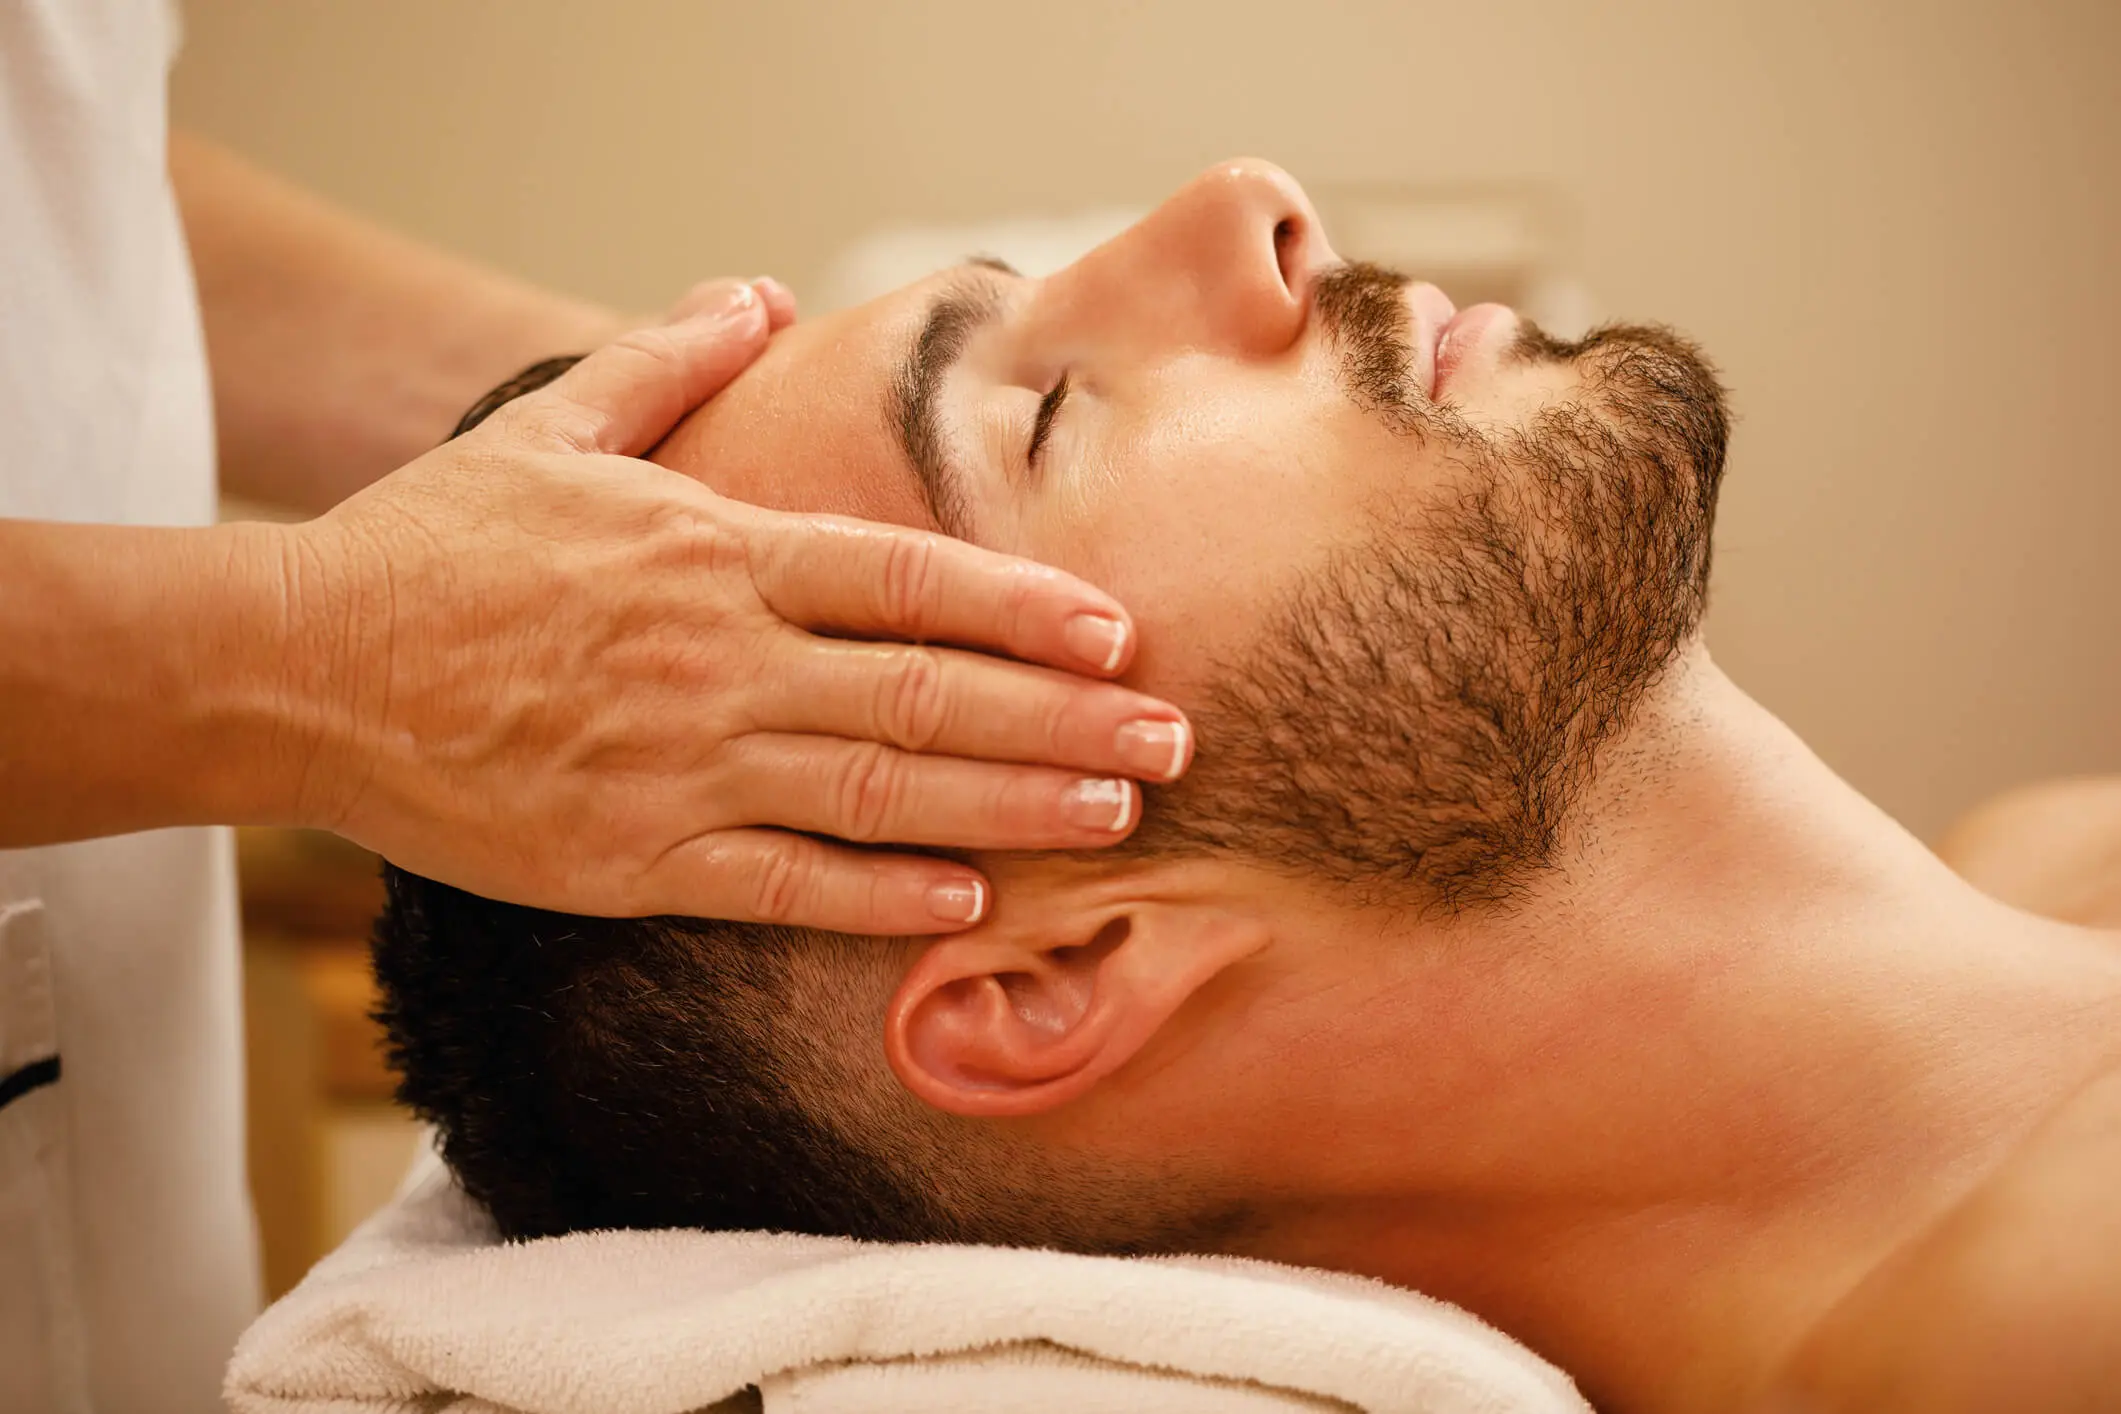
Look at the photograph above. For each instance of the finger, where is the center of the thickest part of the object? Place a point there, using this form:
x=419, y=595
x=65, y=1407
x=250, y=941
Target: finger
x=952, y=703
x=771, y=876
x=870, y=793
x=828, y=572
x=626, y=396
x=780, y=301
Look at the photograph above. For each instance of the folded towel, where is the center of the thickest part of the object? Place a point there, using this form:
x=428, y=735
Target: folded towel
x=425, y=1310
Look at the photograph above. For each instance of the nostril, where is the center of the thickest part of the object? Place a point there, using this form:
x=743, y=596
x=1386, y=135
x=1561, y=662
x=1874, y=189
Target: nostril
x=1288, y=244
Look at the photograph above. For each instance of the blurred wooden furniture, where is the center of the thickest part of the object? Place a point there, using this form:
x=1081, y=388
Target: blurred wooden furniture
x=2052, y=848
x=327, y=1143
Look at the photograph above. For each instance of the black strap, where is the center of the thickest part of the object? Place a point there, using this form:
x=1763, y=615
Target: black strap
x=34, y=1076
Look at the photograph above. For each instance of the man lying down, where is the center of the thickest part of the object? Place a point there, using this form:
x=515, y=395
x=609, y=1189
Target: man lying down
x=1495, y=944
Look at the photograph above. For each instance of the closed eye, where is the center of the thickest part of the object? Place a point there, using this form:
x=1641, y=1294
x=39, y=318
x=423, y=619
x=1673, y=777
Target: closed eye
x=1042, y=425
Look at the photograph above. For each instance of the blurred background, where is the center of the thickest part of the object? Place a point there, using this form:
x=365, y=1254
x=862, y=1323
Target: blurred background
x=1894, y=224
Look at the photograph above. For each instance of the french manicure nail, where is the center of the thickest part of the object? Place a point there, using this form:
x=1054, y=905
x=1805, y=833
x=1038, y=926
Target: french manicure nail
x=1097, y=639
x=1100, y=805
x=727, y=307
x=958, y=901
x=1157, y=750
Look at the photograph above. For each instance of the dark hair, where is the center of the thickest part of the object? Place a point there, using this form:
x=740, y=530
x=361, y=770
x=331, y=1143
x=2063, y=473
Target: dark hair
x=1414, y=725
x=603, y=1073
x=1416, y=721
x=599, y=1072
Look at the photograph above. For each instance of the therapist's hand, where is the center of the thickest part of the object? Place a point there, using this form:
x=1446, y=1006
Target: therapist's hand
x=547, y=672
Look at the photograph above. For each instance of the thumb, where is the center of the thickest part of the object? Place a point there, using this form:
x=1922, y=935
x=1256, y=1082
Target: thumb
x=625, y=397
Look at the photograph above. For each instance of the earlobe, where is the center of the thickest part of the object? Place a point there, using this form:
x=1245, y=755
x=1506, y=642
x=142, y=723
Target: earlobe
x=1007, y=1022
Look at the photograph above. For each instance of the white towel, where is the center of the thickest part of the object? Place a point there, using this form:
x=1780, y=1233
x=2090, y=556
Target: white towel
x=423, y=1310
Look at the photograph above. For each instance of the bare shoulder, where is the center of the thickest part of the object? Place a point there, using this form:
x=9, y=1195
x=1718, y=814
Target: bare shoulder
x=2052, y=848
x=2013, y=1302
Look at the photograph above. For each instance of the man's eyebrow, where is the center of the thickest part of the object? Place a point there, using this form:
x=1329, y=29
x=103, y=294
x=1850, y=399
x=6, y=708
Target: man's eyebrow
x=960, y=310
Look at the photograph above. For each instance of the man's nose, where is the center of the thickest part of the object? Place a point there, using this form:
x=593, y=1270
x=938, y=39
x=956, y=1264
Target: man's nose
x=1231, y=258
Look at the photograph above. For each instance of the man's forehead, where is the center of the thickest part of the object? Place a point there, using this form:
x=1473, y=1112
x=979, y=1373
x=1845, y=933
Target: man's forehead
x=824, y=399
x=803, y=429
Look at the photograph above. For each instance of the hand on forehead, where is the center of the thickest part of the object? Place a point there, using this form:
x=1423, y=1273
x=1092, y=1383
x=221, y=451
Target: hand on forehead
x=803, y=429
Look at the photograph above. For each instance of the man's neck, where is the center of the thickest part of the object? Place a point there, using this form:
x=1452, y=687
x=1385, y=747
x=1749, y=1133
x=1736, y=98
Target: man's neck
x=1657, y=1120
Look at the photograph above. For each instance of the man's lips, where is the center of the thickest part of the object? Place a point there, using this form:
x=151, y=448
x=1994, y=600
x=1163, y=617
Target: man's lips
x=1432, y=312
x=1441, y=337
x=1445, y=336
x=1466, y=332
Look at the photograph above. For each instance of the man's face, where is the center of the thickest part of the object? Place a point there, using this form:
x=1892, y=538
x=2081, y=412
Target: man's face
x=1189, y=416
x=1406, y=568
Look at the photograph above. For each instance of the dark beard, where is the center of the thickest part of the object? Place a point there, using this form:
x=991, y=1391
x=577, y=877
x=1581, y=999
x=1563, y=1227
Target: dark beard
x=1417, y=719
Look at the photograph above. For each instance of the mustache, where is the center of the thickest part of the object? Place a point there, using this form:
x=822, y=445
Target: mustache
x=1362, y=310
x=1645, y=372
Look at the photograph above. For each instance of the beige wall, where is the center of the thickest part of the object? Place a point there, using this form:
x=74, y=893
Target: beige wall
x=1895, y=224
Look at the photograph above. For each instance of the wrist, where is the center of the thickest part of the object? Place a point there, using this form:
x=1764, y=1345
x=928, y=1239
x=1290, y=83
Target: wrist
x=241, y=729
x=152, y=677
x=313, y=670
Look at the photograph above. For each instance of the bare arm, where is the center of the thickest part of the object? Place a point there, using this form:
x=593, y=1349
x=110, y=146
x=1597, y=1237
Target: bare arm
x=340, y=350
x=140, y=680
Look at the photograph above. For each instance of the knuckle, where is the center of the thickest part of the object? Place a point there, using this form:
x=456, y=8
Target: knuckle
x=1061, y=719
x=1021, y=599
x=676, y=526
x=1017, y=805
x=871, y=894
x=552, y=420
x=910, y=580
x=1057, y=725
x=916, y=704
x=869, y=789
x=782, y=883
x=696, y=539
x=653, y=342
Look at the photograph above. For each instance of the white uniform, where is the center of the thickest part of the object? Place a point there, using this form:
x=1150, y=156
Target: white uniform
x=127, y=1250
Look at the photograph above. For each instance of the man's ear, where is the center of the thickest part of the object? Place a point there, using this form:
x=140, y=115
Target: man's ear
x=1015, y=1020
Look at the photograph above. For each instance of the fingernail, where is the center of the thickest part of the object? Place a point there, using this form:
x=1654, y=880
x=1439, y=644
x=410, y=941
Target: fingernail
x=730, y=305
x=1155, y=749
x=1100, y=805
x=959, y=901
x=1097, y=639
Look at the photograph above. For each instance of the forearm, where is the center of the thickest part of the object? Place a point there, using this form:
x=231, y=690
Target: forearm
x=341, y=350
x=144, y=679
